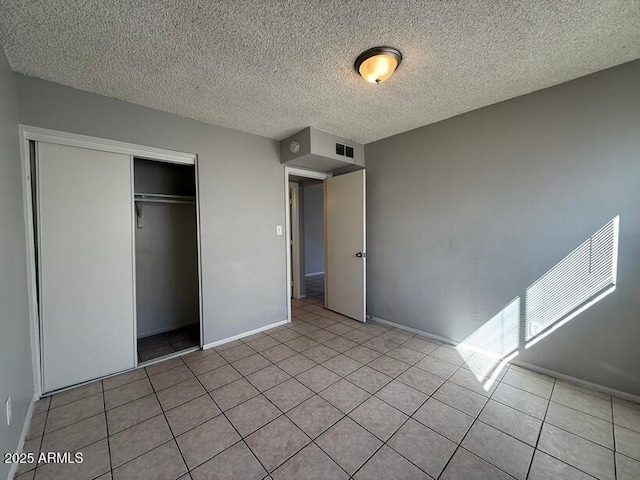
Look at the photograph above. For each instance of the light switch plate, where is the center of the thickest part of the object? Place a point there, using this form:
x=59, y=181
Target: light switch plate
x=279, y=230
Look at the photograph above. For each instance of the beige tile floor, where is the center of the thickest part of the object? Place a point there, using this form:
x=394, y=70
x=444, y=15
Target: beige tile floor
x=326, y=397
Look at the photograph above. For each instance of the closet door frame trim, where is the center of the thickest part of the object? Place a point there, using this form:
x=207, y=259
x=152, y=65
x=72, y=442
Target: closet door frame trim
x=29, y=133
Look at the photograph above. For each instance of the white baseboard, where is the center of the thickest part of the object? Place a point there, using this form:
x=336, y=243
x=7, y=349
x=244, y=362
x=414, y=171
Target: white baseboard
x=164, y=330
x=551, y=373
x=23, y=436
x=313, y=274
x=245, y=334
x=578, y=381
x=412, y=330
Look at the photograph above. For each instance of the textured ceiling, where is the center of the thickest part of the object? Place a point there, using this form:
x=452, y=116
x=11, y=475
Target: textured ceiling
x=274, y=67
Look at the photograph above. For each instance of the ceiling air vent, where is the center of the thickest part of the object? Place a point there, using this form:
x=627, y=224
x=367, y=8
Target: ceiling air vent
x=344, y=150
x=348, y=151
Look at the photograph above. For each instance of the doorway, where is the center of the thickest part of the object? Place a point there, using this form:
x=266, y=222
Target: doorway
x=326, y=258
x=313, y=228
x=307, y=238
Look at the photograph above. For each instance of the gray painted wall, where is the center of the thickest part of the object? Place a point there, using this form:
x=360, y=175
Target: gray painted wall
x=166, y=268
x=314, y=228
x=16, y=371
x=464, y=214
x=241, y=196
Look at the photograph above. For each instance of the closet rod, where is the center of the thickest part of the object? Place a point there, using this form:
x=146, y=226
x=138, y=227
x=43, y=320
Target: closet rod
x=151, y=200
x=156, y=198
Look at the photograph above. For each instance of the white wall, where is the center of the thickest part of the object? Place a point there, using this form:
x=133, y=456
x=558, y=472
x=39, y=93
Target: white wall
x=314, y=228
x=464, y=214
x=16, y=372
x=242, y=195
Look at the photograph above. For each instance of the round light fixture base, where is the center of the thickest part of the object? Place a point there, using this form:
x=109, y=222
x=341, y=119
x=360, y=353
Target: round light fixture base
x=378, y=63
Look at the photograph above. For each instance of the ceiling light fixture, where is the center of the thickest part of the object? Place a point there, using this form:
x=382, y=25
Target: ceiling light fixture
x=378, y=64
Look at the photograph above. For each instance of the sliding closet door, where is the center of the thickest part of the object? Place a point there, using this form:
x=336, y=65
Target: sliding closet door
x=85, y=263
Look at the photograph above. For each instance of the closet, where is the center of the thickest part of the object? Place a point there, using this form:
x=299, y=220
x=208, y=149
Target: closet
x=167, y=300
x=115, y=255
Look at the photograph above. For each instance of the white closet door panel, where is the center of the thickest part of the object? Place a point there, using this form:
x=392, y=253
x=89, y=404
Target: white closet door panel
x=86, y=264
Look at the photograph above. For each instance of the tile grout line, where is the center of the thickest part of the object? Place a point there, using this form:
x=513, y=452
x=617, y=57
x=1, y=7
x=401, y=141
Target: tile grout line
x=384, y=443
x=346, y=415
x=409, y=417
x=575, y=409
x=613, y=434
x=242, y=438
x=217, y=454
x=131, y=426
x=526, y=391
x=535, y=448
x=74, y=422
x=106, y=422
x=459, y=444
x=164, y=414
x=581, y=437
x=505, y=433
x=550, y=401
x=44, y=427
x=565, y=463
x=477, y=419
x=426, y=426
x=282, y=413
x=135, y=425
x=543, y=421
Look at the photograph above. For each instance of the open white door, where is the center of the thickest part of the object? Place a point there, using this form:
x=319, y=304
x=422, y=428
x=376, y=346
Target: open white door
x=85, y=263
x=345, y=271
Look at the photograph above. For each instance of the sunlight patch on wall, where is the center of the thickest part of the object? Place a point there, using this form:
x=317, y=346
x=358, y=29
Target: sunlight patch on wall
x=492, y=345
x=581, y=279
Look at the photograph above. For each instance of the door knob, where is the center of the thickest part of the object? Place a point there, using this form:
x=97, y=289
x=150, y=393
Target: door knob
x=361, y=254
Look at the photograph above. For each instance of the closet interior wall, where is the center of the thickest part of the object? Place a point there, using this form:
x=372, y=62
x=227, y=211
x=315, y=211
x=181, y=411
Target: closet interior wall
x=167, y=293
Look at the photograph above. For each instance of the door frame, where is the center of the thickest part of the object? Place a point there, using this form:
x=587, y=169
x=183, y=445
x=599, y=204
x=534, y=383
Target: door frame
x=298, y=172
x=29, y=133
x=296, y=251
